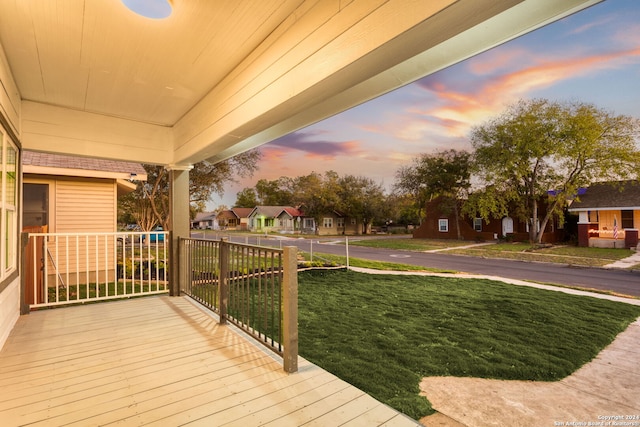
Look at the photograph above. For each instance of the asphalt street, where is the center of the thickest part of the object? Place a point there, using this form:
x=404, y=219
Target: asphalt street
x=623, y=282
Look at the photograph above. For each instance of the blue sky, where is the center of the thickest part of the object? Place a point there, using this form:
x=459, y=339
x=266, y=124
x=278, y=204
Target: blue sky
x=592, y=56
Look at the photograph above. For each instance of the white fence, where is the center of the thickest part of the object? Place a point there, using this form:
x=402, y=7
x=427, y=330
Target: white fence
x=68, y=268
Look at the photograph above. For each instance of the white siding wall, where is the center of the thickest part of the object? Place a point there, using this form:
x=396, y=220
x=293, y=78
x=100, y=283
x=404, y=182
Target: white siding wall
x=9, y=309
x=10, y=106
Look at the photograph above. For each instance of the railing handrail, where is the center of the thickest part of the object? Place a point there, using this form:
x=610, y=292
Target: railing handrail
x=98, y=233
x=246, y=245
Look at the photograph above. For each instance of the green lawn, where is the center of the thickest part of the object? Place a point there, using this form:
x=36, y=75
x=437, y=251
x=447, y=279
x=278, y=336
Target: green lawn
x=408, y=243
x=591, y=257
x=384, y=333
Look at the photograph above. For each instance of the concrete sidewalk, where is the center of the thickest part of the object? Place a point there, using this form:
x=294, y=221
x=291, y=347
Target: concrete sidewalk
x=627, y=262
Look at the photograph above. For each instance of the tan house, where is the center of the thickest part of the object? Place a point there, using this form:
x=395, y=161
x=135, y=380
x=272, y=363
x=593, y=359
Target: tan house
x=608, y=214
x=75, y=194
x=68, y=195
x=335, y=223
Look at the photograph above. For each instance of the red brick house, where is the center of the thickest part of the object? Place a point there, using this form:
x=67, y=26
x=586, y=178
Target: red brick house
x=440, y=223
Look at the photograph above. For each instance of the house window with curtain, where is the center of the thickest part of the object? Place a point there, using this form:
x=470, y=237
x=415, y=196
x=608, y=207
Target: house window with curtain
x=8, y=205
x=443, y=225
x=327, y=222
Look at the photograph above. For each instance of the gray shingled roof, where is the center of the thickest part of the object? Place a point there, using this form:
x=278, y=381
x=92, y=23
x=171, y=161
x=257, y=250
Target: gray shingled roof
x=83, y=163
x=609, y=195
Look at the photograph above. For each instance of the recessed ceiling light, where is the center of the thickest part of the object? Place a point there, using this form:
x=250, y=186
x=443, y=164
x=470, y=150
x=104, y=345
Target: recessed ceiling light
x=154, y=9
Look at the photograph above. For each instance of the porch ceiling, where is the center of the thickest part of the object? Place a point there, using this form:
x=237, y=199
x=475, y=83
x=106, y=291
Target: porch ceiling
x=217, y=78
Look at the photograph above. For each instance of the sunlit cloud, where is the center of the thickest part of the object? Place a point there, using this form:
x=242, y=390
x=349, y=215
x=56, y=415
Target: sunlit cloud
x=595, y=24
x=311, y=147
x=456, y=111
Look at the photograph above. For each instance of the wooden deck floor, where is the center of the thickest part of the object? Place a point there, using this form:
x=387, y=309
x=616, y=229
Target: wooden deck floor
x=163, y=361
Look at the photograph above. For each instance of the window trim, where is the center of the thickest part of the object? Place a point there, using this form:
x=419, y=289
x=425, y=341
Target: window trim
x=443, y=222
x=477, y=224
x=8, y=275
x=624, y=222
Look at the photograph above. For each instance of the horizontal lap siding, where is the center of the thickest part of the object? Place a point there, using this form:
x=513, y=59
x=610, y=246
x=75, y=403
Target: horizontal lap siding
x=84, y=206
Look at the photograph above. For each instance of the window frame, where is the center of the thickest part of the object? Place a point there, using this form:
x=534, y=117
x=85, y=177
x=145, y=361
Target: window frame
x=443, y=225
x=626, y=222
x=327, y=222
x=9, y=209
x=477, y=224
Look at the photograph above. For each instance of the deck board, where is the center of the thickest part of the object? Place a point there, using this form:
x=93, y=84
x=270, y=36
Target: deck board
x=163, y=361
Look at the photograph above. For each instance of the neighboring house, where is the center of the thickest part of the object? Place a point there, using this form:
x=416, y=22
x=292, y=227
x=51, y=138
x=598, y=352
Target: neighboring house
x=66, y=194
x=234, y=218
x=441, y=224
x=285, y=219
x=205, y=221
x=608, y=214
x=335, y=223
x=70, y=194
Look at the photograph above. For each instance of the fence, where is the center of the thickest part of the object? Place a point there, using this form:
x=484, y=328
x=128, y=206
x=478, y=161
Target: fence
x=253, y=287
x=68, y=268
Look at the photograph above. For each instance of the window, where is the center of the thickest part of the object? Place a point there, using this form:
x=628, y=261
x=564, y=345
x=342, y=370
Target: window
x=626, y=219
x=309, y=223
x=593, y=216
x=353, y=221
x=477, y=224
x=443, y=225
x=35, y=205
x=8, y=205
x=340, y=222
x=327, y=222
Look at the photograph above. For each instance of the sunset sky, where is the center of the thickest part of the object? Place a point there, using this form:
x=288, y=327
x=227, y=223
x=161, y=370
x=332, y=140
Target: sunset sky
x=592, y=56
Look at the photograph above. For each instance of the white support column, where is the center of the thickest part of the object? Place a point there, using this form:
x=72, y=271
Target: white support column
x=179, y=220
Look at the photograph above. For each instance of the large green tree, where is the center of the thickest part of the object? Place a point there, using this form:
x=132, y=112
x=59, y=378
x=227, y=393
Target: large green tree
x=362, y=198
x=543, y=150
x=445, y=174
x=149, y=203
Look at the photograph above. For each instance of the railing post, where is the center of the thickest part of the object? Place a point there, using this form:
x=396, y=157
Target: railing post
x=223, y=279
x=290, y=309
x=24, y=305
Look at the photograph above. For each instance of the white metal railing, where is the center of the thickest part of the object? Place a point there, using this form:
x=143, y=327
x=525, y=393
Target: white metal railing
x=67, y=268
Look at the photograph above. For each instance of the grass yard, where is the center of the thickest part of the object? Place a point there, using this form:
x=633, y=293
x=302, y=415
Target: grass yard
x=564, y=254
x=384, y=333
x=408, y=243
x=591, y=257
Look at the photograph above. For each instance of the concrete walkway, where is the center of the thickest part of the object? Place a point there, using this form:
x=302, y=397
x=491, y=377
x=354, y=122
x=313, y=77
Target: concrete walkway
x=608, y=386
x=627, y=262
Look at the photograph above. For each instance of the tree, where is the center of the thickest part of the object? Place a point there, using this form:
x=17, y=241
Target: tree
x=275, y=192
x=149, y=203
x=246, y=198
x=444, y=173
x=542, y=150
x=361, y=198
x=317, y=194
